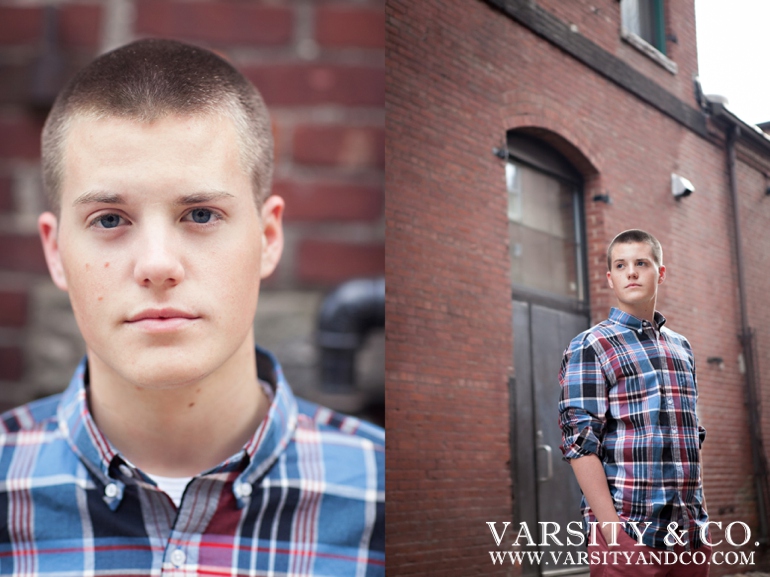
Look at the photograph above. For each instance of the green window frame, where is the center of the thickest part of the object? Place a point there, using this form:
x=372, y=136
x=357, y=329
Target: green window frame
x=646, y=19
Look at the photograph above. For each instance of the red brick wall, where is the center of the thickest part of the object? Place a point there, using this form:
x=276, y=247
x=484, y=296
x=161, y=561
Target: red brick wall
x=320, y=67
x=755, y=215
x=459, y=75
x=448, y=314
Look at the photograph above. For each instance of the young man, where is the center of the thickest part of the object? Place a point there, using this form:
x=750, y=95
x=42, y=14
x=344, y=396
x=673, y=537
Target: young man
x=629, y=426
x=178, y=446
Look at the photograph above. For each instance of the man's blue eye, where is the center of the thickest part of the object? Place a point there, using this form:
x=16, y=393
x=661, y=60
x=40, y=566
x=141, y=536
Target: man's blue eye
x=109, y=220
x=201, y=215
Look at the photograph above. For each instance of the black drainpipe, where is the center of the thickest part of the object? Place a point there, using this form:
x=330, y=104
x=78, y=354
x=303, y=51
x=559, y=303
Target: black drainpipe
x=346, y=316
x=747, y=342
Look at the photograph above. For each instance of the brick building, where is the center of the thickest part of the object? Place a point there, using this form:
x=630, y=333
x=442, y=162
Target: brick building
x=320, y=68
x=521, y=136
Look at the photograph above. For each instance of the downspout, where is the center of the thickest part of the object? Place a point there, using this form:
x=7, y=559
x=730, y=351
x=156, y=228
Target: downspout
x=747, y=342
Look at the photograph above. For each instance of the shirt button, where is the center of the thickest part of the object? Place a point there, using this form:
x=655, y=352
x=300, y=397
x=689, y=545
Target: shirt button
x=111, y=490
x=243, y=490
x=178, y=557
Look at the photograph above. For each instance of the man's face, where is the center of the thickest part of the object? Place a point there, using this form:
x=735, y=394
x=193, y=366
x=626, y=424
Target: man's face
x=634, y=276
x=160, y=246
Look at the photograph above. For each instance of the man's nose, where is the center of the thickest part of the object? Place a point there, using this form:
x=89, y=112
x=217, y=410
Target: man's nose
x=632, y=271
x=158, y=262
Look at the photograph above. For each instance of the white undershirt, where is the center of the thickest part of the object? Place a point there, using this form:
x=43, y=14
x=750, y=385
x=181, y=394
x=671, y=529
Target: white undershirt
x=172, y=486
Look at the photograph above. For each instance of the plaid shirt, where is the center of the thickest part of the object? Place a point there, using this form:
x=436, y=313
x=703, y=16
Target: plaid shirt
x=305, y=496
x=628, y=395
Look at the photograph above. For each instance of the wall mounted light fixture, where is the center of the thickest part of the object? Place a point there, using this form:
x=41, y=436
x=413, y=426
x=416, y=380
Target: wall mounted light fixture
x=680, y=186
x=500, y=152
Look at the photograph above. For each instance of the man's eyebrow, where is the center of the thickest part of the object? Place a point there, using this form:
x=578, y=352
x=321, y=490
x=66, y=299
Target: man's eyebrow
x=99, y=196
x=102, y=197
x=644, y=258
x=202, y=197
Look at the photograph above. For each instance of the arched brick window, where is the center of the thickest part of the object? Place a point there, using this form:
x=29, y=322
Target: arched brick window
x=544, y=220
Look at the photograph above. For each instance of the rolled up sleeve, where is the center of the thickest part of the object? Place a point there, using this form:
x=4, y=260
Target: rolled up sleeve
x=583, y=401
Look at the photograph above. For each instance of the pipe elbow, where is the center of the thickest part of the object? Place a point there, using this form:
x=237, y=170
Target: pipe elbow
x=345, y=317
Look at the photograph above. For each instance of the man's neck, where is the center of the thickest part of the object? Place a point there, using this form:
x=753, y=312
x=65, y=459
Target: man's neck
x=185, y=430
x=644, y=313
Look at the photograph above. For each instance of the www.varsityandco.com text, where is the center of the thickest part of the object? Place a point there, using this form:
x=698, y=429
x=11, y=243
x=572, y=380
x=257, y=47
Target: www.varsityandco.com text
x=550, y=534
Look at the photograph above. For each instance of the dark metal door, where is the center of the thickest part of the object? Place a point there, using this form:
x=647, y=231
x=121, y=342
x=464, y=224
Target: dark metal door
x=546, y=490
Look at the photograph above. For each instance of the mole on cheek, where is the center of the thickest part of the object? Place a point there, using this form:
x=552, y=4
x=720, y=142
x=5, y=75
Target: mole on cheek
x=100, y=298
x=106, y=265
x=88, y=266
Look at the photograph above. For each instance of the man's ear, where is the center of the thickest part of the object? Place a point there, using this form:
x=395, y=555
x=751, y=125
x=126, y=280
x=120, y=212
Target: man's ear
x=609, y=279
x=48, y=226
x=661, y=273
x=272, y=234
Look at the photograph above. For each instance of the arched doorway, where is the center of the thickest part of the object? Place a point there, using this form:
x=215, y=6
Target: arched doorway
x=550, y=307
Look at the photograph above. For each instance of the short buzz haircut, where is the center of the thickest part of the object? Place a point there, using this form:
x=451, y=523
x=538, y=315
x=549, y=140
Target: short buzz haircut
x=636, y=235
x=148, y=80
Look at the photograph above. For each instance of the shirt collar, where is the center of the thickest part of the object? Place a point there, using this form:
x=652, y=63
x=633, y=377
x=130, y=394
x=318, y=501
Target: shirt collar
x=623, y=318
x=262, y=450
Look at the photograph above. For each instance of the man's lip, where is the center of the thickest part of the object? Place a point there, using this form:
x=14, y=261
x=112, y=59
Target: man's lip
x=632, y=285
x=161, y=314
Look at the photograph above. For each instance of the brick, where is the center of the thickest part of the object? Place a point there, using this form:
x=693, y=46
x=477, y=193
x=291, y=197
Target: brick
x=329, y=202
x=13, y=308
x=346, y=26
x=20, y=25
x=326, y=262
x=6, y=194
x=307, y=84
x=222, y=23
x=344, y=146
x=22, y=253
x=20, y=137
x=14, y=83
x=11, y=363
x=81, y=25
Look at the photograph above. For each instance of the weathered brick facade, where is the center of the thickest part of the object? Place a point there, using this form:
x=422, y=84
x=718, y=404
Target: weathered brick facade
x=320, y=68
x=460, y=74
